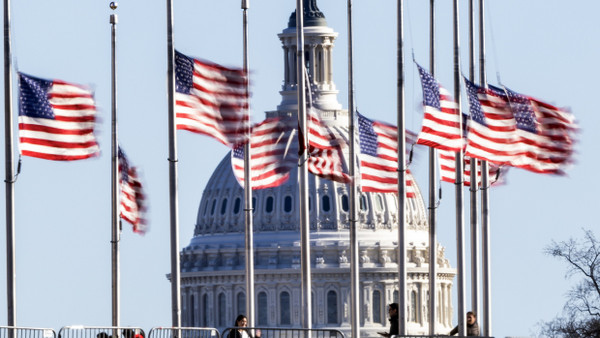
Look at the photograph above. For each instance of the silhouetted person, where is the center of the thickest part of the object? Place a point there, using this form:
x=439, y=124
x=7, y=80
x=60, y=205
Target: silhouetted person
x=393, y=313
x=240, y=332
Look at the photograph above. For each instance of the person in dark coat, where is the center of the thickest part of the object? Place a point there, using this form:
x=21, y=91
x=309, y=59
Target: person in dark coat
x=472, y=326
x=394, y=329
x=239, y=332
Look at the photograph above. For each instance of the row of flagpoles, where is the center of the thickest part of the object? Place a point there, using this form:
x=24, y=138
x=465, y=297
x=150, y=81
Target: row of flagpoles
x=503, y=128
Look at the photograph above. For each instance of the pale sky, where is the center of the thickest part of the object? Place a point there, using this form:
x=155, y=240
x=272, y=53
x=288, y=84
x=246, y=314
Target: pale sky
x=548, y=49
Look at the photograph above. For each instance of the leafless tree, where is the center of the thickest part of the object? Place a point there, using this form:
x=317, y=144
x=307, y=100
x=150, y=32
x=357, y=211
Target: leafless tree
x=581, y=315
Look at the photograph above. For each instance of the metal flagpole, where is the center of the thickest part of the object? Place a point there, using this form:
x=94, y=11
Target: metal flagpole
x=460, y=227
x=485, y=203
x=114, y=167
x=354, y=193
x=173, y=202
x=401, y=179
x=9, y=178
x=248, y=189
x=303, y=172
x=432, y=191
x=473, y=186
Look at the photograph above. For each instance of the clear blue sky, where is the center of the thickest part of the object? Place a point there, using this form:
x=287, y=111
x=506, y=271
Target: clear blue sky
x=545, y=48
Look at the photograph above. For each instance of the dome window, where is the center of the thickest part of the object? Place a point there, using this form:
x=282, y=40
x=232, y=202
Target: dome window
x=254, y=205
x=379, y=202
x=287, y=203
x=236, y=205
x=269, y=204
x=212, y=208
x=325, y=203
x=205, y=208
x=345, y=203
x=363, y=202
x=332, y=308
x=224, y=206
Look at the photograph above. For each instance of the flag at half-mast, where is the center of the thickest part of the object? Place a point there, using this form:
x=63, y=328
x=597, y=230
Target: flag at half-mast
x=56, y=119
x=132, y=198
x=378, y=157
x=441, y=120
x=211, y=99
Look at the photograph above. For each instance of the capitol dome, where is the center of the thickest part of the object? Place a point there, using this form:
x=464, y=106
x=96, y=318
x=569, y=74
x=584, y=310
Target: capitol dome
x=212, y=265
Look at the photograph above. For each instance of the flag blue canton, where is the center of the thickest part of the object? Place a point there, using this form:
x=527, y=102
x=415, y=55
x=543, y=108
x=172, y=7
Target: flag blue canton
x=238, y=152
x=431, y=89
x=474, y=106
x=33, y=97
x=124, y=164
x=367, y=136
x=184, y=73
x=522, y=110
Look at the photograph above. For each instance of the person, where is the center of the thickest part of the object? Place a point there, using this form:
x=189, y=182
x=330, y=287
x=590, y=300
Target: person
x=239, y=332
x=394, y=329
x=472, y=326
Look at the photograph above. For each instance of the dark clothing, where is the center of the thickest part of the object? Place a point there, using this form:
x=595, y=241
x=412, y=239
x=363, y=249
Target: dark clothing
x=394, y=329
x=472, y=330
x=234, y=333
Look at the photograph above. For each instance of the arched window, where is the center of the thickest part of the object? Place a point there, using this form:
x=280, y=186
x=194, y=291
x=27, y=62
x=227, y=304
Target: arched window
x=376, y=306
x=284, y=308
x=379, y=202
x=412, y=315
x=212, y=208
x=236, y=205
x=332, y=307
x=309, y=203
x=325, y=203
x=224, y=206
x=222, y=309
x=363, y=202
x=269, y=205
x=205, y=311
x=312, y=308
x=262, y=309
x=345, y=203
x=287, y=203
x=395, y=296
x=241, y=302
x=254, y=206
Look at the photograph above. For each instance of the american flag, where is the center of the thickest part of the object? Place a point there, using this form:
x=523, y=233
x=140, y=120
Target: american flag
x=447, y=163
x=132, y=198
x=492, y=127
x=546, y=134
x=211, y=99
x=56, y=120
x=441, y=120
x=378, y=157
x=273, y=153
x=325, y=157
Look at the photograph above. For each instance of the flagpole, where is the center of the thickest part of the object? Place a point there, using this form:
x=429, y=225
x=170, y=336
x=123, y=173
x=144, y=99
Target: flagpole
x=460, y=227
x=173, y=201
x=432, y=190
x=303, y=172
x=354, y=268
x=248, y=188
x=116, y=292
x=485, y=203
x=473, y=177
x=9, y=178
x=401, y=179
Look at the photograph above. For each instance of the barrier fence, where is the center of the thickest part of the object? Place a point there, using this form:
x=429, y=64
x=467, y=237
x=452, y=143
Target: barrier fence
x=80, y=331
x=26, y=332
x=272, y=332
x=183, y=332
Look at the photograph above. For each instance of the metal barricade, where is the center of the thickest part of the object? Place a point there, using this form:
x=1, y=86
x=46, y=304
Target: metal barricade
x=272, y=332
x=26, y=332
x=183, y=332
x=80, y=331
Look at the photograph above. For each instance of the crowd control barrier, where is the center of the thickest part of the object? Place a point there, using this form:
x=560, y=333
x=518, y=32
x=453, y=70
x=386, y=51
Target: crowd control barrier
x=80, y=331
x=26, y=332
x=272, y=332
x=183, y=332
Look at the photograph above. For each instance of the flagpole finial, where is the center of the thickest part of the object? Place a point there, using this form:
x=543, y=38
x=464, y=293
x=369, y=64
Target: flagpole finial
x=113, y=5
